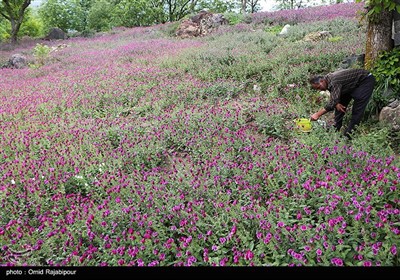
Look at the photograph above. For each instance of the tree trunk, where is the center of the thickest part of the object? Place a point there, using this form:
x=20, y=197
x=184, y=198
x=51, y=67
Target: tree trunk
x=396, y=25
x=14, y=11
x=379, y=37
x=15, y=26
x=243, y=9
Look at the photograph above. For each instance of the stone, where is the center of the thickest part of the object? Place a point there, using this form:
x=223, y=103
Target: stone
x=352, y=61
x=317, y=36
x=284, y=30
x=391, y=115
x=16, y=61
x=396, y=38
x=56, y=33
x=200, y=25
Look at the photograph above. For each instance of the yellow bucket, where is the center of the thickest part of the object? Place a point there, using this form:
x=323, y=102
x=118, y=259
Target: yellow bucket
x=303, y=125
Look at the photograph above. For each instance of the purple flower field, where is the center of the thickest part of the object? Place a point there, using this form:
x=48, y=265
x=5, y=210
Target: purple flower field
x=109, y=158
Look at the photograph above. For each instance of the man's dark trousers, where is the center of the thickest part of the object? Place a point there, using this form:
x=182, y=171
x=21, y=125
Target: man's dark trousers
x=361, y=96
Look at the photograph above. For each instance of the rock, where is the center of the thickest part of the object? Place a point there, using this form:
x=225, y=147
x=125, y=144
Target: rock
x=200, y=25
x=188, y=29
x=353, y=60
x=391, y=115
x=284, y=30
x=17, y=61
x=317, y=36
x=56, y=34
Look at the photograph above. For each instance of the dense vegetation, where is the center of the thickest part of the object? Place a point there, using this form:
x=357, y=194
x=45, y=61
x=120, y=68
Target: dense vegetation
x=136, y=148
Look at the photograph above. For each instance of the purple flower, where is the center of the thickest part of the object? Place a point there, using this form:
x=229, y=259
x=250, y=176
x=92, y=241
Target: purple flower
x=249, y=255
x=367, y=263
x=191, y=260
x=393, y=250
x=223, y=261
x=337, y=261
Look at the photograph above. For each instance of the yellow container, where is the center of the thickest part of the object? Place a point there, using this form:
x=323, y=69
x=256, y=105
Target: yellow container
x=303, y=125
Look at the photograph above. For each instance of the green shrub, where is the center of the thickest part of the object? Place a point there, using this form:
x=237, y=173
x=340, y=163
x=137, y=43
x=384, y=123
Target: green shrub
x=274, y=125
x=274, y=29
x=335, y=26
x=41, y=54
x=234, y=18
x=335, y=39
x=32, y=27
x=386, y=70
x=375, y=138
x=4, y=33
x=171, y=28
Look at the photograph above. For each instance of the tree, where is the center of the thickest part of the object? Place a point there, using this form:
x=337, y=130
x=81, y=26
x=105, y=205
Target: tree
x=243, y=7
x=216, y=6
x=253, y=6
x=66, y=14
x=177, y=9
x=292, y=4
x=379, y=31
x=130, y=13
x=248, y=6
x=100, y=16
x=14, y=11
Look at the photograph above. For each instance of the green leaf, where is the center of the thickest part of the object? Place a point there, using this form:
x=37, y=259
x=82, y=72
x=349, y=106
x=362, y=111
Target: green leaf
x=377, y=9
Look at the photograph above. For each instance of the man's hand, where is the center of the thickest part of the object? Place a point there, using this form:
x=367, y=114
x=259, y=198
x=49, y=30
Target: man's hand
x=314, y=117
x=341, y=108
x=317, y=115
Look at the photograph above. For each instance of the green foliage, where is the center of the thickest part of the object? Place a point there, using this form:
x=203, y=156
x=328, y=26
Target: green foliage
x=114, y=137
x=386, y=70
x=375, y=7
x=233, y=18
x=375, y=138
x=100, y=16
x=335, y=39
x=228, y=55
x=87, y=33
x=254, y=56
x=337, y=27
x=77, y=185
x=171, y=28
x=4, y=30
x=220, y=91
x=134, y=13
x=41, y=54
x=32, y=25
x=275, y=125
x=274, y=29
x=215, y=6
x=66, y=15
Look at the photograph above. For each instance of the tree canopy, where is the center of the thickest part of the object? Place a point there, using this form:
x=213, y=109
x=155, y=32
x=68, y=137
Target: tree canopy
x=14, y=11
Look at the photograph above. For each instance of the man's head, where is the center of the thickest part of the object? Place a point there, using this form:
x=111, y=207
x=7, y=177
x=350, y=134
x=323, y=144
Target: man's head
x=318, y=83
